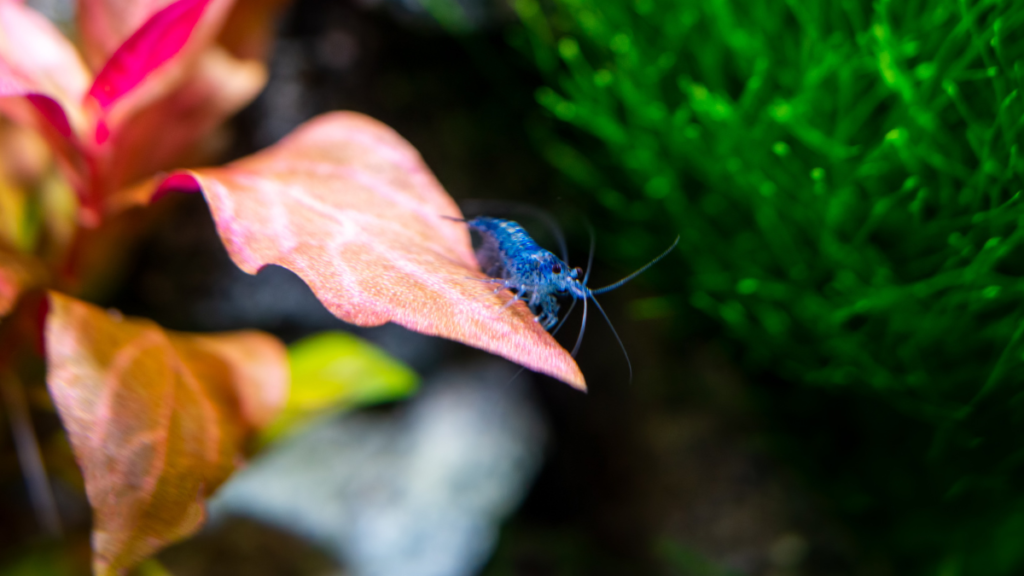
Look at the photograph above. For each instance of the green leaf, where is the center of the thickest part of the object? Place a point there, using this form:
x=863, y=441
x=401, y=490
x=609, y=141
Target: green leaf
x=334, y=371
x=150, y=567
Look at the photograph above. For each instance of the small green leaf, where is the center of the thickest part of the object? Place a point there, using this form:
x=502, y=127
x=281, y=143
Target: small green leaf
x=333, y=371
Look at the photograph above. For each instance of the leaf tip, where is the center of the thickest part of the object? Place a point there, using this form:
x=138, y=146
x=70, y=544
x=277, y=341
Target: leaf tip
x=568, y=372
x=181, y=181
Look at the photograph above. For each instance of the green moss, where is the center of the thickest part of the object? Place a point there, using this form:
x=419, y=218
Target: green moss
x=846, y=178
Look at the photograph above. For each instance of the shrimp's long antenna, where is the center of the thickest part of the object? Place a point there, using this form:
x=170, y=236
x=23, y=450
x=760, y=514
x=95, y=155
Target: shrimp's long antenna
x=637, y=273
x=556, y=230
x=586, y=277
x=590, y=257
x=621, y=345
x=562, y=321
x=583, y=328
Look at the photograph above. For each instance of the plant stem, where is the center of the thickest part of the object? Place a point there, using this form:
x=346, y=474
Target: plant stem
x=29, y=455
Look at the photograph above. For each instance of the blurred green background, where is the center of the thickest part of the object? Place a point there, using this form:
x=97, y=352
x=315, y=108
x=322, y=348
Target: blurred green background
x=846, y=177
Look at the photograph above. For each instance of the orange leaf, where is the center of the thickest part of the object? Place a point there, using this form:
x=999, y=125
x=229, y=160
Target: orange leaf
x=157, y=419
x=349, y=206
x=250, y=28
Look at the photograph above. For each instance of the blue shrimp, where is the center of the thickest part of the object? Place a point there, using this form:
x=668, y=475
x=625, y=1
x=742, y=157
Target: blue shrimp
x=513, y=261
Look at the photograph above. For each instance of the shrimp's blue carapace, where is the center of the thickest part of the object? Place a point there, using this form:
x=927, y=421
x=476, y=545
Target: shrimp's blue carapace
x=508, y=254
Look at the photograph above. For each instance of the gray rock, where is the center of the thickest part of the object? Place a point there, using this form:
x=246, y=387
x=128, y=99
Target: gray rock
x=417, y=492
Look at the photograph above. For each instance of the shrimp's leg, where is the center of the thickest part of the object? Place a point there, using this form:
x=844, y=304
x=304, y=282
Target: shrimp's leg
x=512, y=301
x=502, y=285
x=548, y=316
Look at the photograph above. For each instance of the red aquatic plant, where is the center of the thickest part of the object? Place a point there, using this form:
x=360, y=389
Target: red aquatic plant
x=156, y=81
x=157, y=419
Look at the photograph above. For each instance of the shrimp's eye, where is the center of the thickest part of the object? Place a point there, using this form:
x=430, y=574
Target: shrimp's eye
x=578, y=271
x=557, y=268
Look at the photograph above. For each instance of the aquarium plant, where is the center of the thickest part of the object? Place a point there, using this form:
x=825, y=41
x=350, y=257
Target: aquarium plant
x=848, y=182
x=94, y=137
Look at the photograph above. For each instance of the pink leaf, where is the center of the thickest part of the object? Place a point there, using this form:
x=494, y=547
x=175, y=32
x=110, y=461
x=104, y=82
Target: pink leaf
x=36, y=59
x=103, y=25
x=52, y=111
x=156, y=42
x=350, y=207
x=169, y=132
